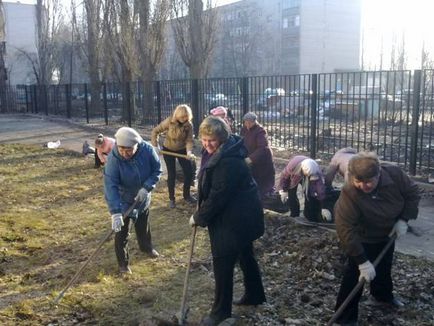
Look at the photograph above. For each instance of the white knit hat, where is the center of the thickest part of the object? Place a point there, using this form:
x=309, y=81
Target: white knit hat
x=250, y=116
x=127, y=137
x=310, y=168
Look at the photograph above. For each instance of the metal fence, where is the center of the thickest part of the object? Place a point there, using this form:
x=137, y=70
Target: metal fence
x=390, y=112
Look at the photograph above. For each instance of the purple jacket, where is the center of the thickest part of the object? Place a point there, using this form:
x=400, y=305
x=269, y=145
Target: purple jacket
x=291, y=176
x=256, y=142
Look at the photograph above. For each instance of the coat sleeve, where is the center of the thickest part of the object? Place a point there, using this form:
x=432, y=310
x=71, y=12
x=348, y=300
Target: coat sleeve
x=285, y=178
x=111, y=186
x=162, y=127
x=346, y=218
x=261, y=146
x=411, y=193
x=223, y=186
x=189, y=139
x=330, y=173
x=156, y=171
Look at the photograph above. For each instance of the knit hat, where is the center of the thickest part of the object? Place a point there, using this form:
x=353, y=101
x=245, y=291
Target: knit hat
x=250, y=116
x=311, y=169
x=127, y=137
x=218, y=111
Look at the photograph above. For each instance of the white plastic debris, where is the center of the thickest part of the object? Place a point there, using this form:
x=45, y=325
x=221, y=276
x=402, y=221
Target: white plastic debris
x=52, y=144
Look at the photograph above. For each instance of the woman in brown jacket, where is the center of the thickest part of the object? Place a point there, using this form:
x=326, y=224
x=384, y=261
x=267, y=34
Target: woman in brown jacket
x=178, y=130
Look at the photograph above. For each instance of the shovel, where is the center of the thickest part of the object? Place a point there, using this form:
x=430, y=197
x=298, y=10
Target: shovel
x=361, y=282
x=77, y=274
x=182, y=315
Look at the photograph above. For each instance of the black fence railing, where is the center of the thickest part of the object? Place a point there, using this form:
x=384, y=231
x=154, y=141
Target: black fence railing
x=390, y=112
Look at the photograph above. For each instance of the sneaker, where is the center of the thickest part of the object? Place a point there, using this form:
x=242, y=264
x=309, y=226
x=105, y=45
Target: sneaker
x=172, y=204
x=394, y=303
x=244, y=301
x=191, y=200
x=123, y=270
x=153, y=253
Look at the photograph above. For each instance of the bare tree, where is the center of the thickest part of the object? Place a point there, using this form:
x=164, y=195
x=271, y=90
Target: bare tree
x=93, y=46
x=48, y=19
x=151, y=44
x=3, y=75
x=195, y=34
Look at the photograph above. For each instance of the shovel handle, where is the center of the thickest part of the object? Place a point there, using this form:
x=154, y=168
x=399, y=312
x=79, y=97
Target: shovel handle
x=175, y=154
x=183, y=311
x=100, y=244
x=361, y=283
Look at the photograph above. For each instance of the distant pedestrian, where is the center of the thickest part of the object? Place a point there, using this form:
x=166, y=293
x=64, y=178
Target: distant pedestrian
x=222, y=112
x=131, y=173
x=178, y=130
x=260, y=155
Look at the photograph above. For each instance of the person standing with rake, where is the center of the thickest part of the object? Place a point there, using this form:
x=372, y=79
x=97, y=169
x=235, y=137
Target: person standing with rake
x=178, y=129
x=132, y=171
x=376, y=203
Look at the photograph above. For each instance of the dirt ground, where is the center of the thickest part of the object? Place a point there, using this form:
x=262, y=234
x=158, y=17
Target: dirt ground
x=53, y=214
x=36, y=129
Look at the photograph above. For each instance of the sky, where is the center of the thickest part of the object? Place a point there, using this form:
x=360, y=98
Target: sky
x=384, y=22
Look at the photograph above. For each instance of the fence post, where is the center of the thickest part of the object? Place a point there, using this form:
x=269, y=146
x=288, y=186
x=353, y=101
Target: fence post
x=313, y=113
x=158, y=90
x=245, y=95
x=68, y=100
x=415, y=121
x=86, y=102
x=195, y=103
x=45, y=95
x=35, y=99
x=105, y=104
x=27, y=98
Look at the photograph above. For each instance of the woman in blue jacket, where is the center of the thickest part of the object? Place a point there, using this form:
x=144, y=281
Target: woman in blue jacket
x=230, y=206
x=132, y=170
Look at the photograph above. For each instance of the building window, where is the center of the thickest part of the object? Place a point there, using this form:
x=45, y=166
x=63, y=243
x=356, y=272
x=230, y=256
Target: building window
x=285, y=23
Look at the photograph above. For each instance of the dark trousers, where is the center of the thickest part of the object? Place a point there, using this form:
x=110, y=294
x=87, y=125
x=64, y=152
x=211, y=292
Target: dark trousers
x=381, y=286
x=98, y=162
x=312, y=206
x=224, y=275
x=143, y=234
x=171, y=173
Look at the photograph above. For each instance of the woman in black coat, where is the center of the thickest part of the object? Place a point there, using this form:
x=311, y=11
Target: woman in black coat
x=230, y=206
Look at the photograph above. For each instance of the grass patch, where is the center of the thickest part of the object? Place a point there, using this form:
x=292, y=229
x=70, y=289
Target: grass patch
x=53, y=216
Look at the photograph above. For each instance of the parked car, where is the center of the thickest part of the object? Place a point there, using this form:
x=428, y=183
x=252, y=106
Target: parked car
x=269, y=98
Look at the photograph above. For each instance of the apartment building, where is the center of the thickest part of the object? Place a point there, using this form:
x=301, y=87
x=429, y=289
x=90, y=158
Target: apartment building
x=277, y=37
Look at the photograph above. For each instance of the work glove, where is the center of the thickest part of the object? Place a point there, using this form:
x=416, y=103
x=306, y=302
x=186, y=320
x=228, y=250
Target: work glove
x=191, y=156
x=117, y=222
x=400, y=228
x=191, y=221
x=326, y=215
x=248, y=161
x=283, y=196
x=141, y=194
x=367, y=271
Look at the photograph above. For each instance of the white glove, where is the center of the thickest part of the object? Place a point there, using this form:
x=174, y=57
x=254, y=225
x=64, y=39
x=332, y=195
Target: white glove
x=191, y=155
x=248, y=160
x=326, y=215
x=400, y=228
x=283, y=196
x=141, y=194
x=191, y=221
x=117, y=222
x=367, y=271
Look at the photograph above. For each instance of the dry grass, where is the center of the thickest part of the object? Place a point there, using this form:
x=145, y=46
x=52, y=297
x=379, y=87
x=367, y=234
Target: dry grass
x=53, y=215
